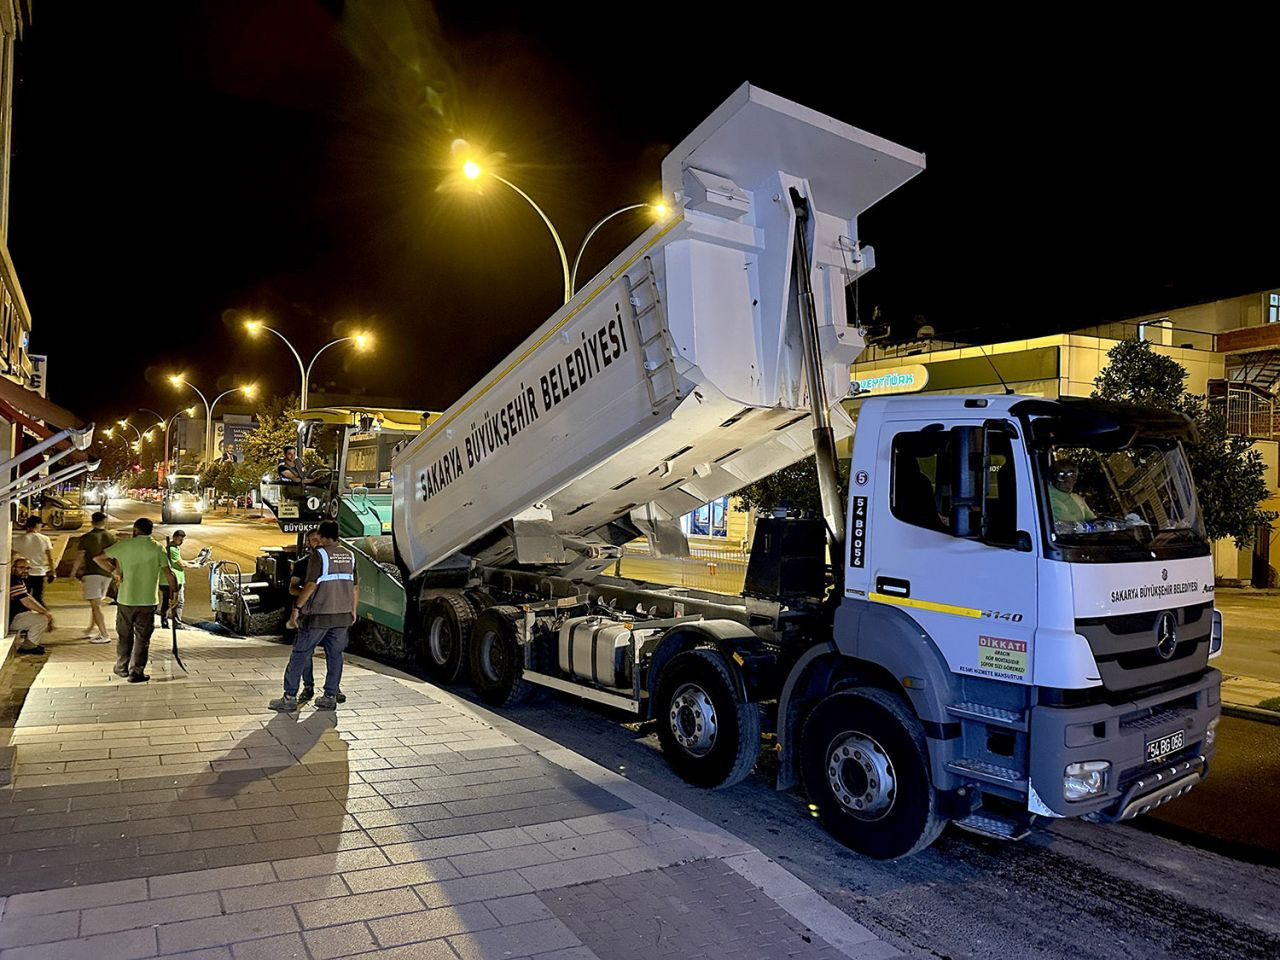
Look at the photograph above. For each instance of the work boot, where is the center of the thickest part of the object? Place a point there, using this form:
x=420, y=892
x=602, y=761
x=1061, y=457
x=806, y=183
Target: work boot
x=306, y=694
x=34, y=649
x=326, y=702
x=139, y=677
x=285, y=704
x=120, y=673
x=341, y=697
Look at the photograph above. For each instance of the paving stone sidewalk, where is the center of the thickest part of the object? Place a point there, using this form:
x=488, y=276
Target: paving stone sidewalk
x=180, y=818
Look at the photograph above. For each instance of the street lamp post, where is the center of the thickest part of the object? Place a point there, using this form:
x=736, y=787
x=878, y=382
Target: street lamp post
x=660, y=211
x=361, y=340
x=111, y=434
x=168, y=425
x=473, y=171
x=162, y=469
x=178, y=381
x=247, y=389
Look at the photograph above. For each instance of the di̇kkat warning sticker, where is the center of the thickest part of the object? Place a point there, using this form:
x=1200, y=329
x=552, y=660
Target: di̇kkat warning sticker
x=1002, y=658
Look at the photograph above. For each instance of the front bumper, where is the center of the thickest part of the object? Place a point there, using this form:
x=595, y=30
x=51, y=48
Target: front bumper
x=1119, y=733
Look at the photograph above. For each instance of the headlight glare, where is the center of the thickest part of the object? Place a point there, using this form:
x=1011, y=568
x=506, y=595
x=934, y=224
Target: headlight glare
x=1211, y=732
x=1083, y=780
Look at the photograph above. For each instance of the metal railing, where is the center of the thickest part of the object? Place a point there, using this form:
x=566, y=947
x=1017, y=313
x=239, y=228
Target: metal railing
x=1153, y=331
x=1248, y=412
x=713, y=568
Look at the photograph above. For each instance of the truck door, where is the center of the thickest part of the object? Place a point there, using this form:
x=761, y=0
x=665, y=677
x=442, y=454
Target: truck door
x=954, y=547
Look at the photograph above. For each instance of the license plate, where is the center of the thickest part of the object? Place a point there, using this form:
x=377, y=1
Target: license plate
x=1160, y=748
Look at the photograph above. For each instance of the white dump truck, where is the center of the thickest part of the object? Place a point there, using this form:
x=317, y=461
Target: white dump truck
x=1008, y=615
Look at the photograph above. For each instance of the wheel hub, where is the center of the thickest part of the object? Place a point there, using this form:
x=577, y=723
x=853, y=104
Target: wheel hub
x=693, y=719
x=440, y=641
x=861, y=776
x=492, y=656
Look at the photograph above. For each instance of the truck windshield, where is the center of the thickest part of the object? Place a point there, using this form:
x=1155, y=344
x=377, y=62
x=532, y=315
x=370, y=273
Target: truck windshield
x=1143, y=494
x=184, y=485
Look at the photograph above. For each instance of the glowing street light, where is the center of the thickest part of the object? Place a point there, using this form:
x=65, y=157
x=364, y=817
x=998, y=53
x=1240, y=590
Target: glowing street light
x=363, y=341
x=471, y=170
x=658, y=209
x=247, y=389
x=136, y=432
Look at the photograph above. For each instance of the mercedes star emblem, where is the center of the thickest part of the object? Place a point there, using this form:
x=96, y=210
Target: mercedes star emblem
x=1166, y=635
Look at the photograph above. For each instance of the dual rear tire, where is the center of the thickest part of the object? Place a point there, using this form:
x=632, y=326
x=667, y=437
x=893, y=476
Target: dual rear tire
x=446, y=632
x=460, y=641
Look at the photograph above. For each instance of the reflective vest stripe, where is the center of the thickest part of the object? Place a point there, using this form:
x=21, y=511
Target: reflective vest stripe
x=325, y=575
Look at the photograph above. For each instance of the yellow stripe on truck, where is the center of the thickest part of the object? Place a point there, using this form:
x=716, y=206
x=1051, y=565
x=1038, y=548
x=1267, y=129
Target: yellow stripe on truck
x=926, y=605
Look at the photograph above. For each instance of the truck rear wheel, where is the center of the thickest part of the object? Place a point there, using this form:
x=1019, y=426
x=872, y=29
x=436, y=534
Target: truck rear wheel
x=709, y=735
x=866, y=768
x=496, y=657
x=446, y=628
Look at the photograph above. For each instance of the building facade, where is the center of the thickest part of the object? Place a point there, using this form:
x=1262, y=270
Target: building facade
x=1229, y=348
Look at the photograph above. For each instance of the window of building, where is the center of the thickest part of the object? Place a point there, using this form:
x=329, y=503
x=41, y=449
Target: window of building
x=711, y=519
x=1273, y=311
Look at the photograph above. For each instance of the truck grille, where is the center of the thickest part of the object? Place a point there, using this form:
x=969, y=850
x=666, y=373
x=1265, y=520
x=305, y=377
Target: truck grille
x=1125, y=646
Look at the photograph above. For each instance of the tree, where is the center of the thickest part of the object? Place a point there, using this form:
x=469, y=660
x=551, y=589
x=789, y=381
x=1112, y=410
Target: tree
x=228, y=479
x=274, y=428
x=793, y=488
x=143, y=478
x=1229, y=473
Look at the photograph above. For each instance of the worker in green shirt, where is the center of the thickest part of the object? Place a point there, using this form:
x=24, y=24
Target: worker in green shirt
x=138, y=563
x=1067, y=505
x=169, y=600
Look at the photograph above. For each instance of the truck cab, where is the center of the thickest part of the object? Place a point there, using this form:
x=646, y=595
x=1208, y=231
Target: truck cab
x=1032, y=578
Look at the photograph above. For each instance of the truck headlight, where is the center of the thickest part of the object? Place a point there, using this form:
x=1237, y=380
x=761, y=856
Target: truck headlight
x=1215, y=634
x=200, y=505
x=1211, y=732
x=1083, y=780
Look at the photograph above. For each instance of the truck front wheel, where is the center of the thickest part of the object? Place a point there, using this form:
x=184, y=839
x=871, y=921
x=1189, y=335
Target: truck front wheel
x=497, y=659
x=865, y=767
x=446, y=627
x=709, y=735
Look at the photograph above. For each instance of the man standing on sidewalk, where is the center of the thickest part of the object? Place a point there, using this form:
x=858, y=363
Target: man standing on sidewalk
x=29, y=615
x=139, y=562
x=38, y=551
x=323, y=613
x=297, y=577
x=179, y=568
x=96, y=580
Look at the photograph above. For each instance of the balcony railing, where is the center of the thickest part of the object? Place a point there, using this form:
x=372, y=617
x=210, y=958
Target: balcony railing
x=1249, y=412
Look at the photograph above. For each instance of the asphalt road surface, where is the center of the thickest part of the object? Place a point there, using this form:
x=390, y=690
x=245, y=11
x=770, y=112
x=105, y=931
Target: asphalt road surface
x=1192, y=884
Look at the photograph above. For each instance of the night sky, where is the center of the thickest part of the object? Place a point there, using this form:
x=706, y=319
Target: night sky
x=179, y=165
